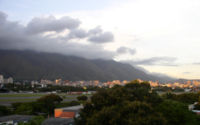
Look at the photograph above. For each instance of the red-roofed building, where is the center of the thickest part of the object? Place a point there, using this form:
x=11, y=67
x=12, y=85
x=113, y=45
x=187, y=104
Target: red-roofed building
x=68, y=112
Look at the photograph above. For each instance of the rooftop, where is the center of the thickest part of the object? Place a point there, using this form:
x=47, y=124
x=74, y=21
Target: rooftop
x=72, y=108
x=16, y=118
x=58, y=121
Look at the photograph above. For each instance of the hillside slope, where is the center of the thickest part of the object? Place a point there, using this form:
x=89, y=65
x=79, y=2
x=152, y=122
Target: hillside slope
x=30, y=65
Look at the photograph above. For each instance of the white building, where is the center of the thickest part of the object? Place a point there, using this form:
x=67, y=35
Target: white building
x=9, y=80
x=1, y=79
x=33, y=83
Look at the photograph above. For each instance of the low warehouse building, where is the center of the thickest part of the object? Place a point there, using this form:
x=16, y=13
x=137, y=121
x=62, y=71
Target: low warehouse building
x=68, y=112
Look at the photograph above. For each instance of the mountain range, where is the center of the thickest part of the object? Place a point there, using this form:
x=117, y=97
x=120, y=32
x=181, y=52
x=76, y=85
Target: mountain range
x=31, y=65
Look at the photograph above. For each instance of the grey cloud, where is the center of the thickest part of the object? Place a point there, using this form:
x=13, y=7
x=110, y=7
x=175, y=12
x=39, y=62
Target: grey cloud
x=93, y=35
x=14, y=36
x=162, y=61
x=40, y=25
x=159, y=76
x=87, y=51
x=141, y=69
x=163, y=77
x=124, y=50
x=96, y=30
x=77, y=33
x=3, y=17
x=102, y=38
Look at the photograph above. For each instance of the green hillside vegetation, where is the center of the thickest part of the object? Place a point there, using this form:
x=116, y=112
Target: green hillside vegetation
x=30, y=65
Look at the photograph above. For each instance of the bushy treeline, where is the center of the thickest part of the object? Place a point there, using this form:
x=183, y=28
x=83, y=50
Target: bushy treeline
x=136, y=104
x=187, y=98
x=168, y=89
x=36, y=120
x=43, y=106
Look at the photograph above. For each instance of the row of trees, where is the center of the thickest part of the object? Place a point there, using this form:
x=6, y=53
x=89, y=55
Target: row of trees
x=43, y=106
x=135, y=104
x=187, y=98
x=168, y=89
x=37, y=120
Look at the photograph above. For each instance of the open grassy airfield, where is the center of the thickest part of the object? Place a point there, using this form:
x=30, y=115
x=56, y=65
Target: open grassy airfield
x=9, y=98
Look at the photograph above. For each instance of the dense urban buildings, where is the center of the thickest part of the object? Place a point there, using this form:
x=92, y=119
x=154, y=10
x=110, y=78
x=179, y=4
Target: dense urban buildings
x=184, y=84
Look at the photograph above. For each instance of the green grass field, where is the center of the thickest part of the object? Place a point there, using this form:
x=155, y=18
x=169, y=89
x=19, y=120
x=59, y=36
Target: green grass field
x=27, y=94
x=7, y=99
x=21, y=95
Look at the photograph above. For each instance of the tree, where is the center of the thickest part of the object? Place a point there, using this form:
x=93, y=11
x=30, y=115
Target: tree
x=129, y=104
x=37, y=120
x=136, y=104
x=169, y=95
x=4, y=110
x=48, y=103
x=131, y=113
x=188, y=98
x=82, y=98
x=24, y=109
x=177, y=113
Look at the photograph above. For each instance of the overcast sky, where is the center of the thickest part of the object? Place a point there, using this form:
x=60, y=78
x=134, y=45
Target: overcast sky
x=160, y=36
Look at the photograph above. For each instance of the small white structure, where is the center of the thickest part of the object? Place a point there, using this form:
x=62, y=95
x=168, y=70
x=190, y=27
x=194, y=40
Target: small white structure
x=192, y=106
x=1, y=79
x=9, y=80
